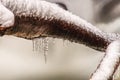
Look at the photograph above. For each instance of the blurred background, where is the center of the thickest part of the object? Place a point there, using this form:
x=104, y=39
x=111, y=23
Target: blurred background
x=65, y=60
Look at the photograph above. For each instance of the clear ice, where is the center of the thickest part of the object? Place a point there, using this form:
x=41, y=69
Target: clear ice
x=41, y=45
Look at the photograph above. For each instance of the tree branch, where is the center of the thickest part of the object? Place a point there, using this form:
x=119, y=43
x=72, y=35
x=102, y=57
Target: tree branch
x=36, y=18
x=109, y=64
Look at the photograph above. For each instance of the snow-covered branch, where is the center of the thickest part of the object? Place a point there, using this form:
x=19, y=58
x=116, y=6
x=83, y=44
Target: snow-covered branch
x=38, y=18
x=109, y=63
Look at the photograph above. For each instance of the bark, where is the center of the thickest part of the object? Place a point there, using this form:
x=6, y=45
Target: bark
x=35, y=19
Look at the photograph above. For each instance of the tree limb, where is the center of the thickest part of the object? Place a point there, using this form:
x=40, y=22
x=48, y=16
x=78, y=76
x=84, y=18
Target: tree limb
x=109, y=64
x=37, y=18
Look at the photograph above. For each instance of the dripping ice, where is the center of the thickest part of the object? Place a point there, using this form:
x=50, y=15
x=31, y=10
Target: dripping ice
x=40, y=45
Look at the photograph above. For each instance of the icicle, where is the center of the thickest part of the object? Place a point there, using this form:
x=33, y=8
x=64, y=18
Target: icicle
x=46, y=40
x=36, y=45
x=33, y=44
x=52, y=40
x=40, y=45
x=66, y=43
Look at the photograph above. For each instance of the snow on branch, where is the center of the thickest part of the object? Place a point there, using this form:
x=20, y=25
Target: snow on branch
x=38, y=18
x=109, y=64
x=6, y=17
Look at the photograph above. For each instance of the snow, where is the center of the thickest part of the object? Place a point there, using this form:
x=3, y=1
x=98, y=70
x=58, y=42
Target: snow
x=6, y=17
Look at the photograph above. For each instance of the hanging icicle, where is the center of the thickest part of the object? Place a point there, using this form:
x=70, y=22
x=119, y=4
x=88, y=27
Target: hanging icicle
x=46, y=41
x=66, y=43
x=40, y=45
